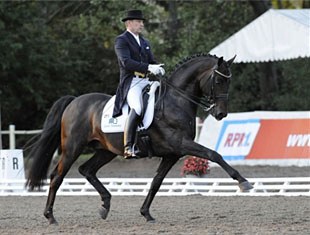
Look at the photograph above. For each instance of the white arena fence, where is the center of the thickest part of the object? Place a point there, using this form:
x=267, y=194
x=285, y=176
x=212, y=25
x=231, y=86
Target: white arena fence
x=293, y=186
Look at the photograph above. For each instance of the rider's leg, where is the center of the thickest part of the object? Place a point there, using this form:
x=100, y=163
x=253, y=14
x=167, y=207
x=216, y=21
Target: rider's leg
x=134, y=100
x=130, y=134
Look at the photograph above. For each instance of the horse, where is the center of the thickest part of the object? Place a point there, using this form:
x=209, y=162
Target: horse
x=73, y=123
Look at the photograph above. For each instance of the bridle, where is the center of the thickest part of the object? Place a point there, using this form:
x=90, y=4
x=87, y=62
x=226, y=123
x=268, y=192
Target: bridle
x=223, y=75
x=213, y=97
x=207, y=102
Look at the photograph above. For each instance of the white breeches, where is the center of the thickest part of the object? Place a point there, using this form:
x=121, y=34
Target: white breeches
x=134, y=96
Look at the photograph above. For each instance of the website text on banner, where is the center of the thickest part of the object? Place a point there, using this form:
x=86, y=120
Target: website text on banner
x=259, y=136
x=288, y=138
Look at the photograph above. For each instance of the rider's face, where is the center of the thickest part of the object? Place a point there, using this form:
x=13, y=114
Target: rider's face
x=135, y=26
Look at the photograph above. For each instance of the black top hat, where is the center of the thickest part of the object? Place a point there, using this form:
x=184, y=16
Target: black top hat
x=133, y=15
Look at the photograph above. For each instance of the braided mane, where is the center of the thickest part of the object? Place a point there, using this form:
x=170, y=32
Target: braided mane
x=189, y=58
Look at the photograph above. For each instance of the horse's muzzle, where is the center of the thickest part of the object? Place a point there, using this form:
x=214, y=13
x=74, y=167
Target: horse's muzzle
x=220, y=116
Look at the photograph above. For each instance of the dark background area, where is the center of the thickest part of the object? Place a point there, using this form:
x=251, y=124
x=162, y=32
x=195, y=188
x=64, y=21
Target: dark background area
x=49, y=49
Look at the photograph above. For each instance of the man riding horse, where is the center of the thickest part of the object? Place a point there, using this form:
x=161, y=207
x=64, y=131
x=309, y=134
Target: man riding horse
x=135, y=60
x=74, y=123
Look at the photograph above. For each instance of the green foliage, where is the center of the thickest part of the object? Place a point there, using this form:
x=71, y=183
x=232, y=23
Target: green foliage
x=294, y=85
x=53, y=48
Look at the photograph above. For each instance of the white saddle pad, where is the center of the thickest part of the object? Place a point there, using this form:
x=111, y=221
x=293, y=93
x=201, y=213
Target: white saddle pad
x=113, y=125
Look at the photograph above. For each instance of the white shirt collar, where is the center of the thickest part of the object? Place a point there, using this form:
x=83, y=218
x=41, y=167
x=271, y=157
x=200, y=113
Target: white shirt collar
x=135, y=36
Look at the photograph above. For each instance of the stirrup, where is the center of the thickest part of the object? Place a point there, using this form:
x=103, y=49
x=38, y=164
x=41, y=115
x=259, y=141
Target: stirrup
x=130, y=152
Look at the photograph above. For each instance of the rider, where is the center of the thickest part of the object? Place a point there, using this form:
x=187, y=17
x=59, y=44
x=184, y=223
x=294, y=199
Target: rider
x=135, y=60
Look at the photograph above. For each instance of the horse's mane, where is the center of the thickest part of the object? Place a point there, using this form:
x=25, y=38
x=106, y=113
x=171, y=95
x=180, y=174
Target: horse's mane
x=189, y=58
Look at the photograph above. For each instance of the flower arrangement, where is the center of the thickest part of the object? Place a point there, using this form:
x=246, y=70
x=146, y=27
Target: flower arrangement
x=195, y=166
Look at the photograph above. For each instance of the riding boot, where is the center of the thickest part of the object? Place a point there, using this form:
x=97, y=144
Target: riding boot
x=130, y=134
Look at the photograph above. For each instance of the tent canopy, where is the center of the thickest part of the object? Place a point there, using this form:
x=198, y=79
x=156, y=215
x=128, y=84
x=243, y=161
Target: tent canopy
x=275, y=35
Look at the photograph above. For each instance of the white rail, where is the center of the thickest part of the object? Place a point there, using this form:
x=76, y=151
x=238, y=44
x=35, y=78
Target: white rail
x=12, y=134
x=171, y=187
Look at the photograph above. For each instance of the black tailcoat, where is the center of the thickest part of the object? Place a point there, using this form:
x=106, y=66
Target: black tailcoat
x=131, y=58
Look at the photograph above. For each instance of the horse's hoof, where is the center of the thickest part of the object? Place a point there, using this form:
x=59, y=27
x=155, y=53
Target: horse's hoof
x=245, y=186
x=149, y=219
x=152, y=221
x=52, y=221
x=103, y=212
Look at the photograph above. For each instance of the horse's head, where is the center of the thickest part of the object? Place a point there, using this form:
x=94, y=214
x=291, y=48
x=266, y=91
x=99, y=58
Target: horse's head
x=215, y=87
x=211, y=76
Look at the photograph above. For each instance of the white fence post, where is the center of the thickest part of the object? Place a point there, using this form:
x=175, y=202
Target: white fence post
x=12, y=136
x=12, y=132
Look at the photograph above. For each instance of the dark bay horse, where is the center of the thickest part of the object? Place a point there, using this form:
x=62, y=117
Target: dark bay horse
x=75, y=122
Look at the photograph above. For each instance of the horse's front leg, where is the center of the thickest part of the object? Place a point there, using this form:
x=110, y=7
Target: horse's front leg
x=163, y=169
x=192, y=148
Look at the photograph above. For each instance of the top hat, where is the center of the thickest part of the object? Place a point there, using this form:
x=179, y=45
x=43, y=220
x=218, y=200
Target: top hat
x=133, y=15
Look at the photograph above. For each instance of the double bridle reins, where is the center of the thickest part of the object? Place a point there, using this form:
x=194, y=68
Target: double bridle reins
x=207, y=102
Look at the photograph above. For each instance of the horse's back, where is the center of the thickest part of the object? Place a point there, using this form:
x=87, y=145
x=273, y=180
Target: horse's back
x=86, y=106
x=92, y=99
x=96, y=96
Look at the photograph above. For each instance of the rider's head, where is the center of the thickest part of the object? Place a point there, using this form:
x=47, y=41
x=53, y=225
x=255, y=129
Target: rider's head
x=134, y=21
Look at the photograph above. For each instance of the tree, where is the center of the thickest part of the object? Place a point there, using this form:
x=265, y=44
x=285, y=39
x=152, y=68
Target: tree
x=49, y=49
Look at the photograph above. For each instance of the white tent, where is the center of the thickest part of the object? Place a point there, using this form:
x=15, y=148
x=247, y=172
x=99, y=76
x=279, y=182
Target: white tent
x=275, y=35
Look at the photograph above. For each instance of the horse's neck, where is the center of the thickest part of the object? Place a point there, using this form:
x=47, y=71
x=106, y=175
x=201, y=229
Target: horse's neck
x=185, y=84
x=183, y=88
x=186, y=76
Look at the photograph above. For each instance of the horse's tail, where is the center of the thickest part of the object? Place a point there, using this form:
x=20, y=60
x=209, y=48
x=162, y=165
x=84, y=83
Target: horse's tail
x=42, y=151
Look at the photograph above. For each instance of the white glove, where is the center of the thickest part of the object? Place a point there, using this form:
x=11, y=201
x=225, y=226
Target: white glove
x=156, y=69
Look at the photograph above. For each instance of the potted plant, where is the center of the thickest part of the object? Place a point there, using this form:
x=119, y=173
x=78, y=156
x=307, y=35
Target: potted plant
x=195, y=167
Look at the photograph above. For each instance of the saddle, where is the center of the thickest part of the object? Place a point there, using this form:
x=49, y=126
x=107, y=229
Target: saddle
x=117, y=125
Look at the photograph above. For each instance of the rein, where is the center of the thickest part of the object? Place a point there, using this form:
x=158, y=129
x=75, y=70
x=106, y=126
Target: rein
x=206, y=102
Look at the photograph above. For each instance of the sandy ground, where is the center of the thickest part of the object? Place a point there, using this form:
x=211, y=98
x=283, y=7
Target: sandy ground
x=174, y=215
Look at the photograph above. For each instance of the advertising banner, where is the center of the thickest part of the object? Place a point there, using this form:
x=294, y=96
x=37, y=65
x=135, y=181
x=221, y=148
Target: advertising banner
x=236, y=138
x=259, y=136
x=285, y=138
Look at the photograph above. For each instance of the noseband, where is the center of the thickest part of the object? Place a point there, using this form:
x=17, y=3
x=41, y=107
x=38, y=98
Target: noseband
x=207, y=102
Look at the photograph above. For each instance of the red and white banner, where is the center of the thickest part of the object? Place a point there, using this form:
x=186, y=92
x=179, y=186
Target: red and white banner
x=259, y=136
x=282, y=138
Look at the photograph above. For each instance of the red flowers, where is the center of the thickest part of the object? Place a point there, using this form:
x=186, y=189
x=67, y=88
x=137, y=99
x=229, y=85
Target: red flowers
x=195, y=166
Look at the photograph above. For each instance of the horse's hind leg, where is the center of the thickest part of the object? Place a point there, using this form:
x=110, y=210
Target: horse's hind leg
x=89, y=170
x=57, y=177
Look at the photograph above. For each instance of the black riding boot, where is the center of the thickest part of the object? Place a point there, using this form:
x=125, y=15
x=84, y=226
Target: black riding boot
x=130, y=134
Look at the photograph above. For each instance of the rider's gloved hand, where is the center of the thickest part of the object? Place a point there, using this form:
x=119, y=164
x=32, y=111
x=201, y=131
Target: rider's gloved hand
x=156, y=69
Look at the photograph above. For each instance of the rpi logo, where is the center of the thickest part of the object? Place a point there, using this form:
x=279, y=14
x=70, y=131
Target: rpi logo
x=237, y=137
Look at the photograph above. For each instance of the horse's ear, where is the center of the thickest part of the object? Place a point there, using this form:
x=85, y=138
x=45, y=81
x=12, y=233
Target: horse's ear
x=229, y=62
